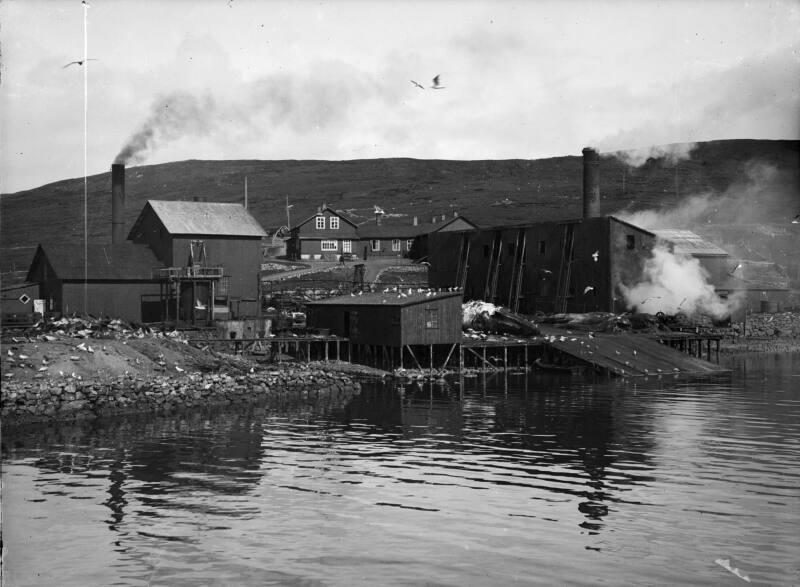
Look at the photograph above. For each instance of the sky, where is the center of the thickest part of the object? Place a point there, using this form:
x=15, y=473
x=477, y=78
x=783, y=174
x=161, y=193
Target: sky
x=238, y=79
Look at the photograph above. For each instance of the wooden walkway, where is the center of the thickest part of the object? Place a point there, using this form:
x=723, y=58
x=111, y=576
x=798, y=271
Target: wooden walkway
x=625, y=354
x=631, y=355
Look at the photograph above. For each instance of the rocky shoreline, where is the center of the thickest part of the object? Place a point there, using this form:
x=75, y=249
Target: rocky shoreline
x=47, y=400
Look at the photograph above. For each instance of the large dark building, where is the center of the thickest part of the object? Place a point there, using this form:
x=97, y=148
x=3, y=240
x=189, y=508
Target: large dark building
x=567, y=266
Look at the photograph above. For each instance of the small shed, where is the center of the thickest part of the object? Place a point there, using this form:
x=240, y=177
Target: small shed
x=380, y=324
x=116, y=280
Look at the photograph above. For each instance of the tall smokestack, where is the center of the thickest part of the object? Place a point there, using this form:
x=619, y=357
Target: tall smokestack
x=591, y=183
x=117, y=203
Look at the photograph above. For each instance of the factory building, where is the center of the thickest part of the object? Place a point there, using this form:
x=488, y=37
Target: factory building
x=190, y=262
x=564, y=266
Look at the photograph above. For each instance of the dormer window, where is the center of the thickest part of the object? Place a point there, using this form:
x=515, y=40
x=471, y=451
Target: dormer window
x=320, y=222
x=334, y=223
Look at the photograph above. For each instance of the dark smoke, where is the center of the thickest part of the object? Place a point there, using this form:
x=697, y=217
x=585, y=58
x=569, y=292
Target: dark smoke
x=326, y=96
x=171, y=117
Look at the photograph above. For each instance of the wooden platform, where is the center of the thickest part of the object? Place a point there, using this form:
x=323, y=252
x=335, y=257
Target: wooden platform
x=631, y=355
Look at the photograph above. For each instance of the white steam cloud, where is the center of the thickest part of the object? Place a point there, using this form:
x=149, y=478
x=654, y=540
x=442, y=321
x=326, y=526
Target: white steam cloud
x=669, y=154
x=676, y=283
x=764, y=194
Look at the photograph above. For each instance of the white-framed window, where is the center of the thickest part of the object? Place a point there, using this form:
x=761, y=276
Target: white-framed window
x=329, y=246
x=432, y=318
x=409, y=244
x=320, y=222
x=347, y=246
x=395, y=244
x=375, y=244
x=334, y=223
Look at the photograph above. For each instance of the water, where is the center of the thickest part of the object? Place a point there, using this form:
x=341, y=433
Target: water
x=538, y=480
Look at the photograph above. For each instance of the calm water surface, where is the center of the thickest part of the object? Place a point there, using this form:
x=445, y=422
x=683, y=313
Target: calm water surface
x=531, y=480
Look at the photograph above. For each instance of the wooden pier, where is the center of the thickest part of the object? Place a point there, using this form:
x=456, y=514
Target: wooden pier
x=303, y=347
x=625, y=354
x=635, y=355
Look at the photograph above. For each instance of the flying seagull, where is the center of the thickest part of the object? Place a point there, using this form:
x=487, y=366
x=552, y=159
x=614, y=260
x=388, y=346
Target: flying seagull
x=419, y=85
x=78, y=62
x=587, y=289
x=436, y=85
x=596, y=256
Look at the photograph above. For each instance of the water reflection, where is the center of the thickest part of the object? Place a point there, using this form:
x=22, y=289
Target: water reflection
x=504, y=472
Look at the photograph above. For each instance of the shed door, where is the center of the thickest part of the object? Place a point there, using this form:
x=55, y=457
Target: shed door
x=351, y=324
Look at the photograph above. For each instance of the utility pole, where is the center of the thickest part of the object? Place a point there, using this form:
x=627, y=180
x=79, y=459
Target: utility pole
x=245, y=192
x=288, y=221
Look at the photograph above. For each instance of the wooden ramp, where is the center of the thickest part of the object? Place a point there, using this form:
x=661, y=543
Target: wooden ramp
x=631, y=355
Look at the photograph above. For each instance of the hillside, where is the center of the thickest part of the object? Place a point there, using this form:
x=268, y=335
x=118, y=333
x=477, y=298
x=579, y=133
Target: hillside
x=487, y=192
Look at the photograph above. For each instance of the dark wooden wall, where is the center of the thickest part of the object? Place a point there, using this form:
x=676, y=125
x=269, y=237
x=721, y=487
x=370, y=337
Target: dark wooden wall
x=605, y=236
x=415, y=330
x=241, y=258
x=391, y=325
x=108, y=299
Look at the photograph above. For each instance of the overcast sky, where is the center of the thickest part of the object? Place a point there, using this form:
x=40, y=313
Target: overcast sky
x=232, y=79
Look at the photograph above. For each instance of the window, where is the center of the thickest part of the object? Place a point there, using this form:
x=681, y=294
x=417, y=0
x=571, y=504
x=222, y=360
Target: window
x=347, y=246
x=320, y=222
x=375, y=244
x=409, y=244
x=432, y=318
x=511, y=247
x=329, y=245
x=542, y=247
x=485, y=251
x=630, y=241
x=395, y=244
x=334, y=223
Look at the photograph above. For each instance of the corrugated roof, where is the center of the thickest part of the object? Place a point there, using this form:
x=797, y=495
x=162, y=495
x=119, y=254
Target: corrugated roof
x=393, y=298
x=203, y=218
x=125, y=261
x=687, y=242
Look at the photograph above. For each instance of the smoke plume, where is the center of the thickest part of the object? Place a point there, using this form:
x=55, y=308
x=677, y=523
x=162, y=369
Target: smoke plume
x=670, y=154
x=171, y=117
x=323, y=97
x=676, y=283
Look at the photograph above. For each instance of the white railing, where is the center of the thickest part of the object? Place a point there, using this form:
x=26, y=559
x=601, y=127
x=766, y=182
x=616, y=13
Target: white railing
x=196, y=271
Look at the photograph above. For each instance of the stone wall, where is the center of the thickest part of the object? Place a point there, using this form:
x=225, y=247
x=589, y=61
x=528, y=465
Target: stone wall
x=45, y=400
x=779, y=325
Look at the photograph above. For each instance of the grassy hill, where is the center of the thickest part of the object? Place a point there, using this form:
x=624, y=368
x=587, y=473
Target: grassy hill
x=486, y=192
